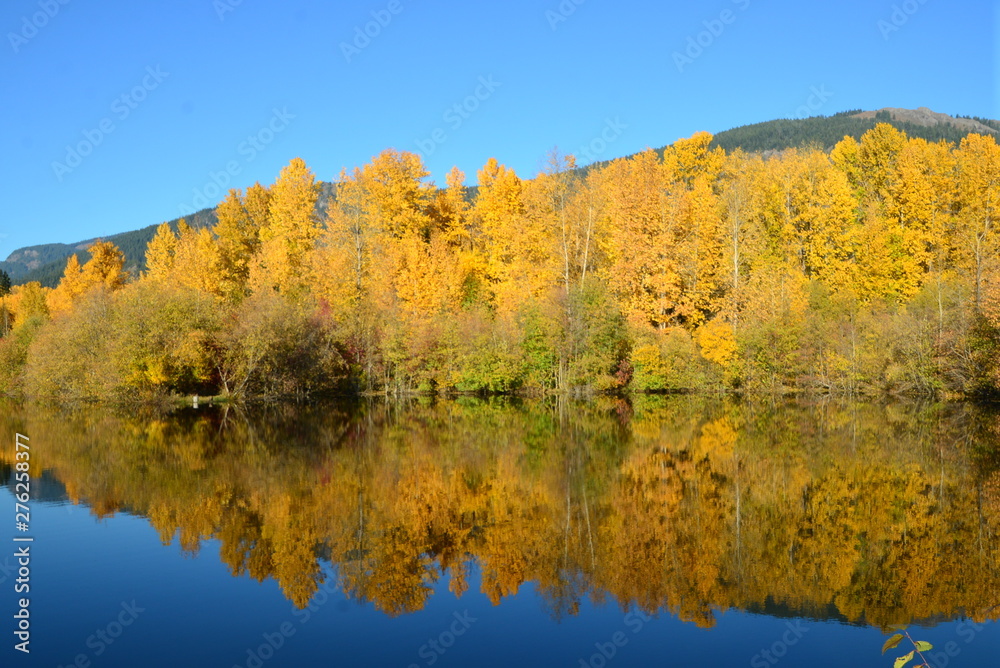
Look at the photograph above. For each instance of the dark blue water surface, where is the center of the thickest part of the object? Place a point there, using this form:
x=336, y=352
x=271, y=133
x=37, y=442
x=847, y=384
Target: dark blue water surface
x=564, y=504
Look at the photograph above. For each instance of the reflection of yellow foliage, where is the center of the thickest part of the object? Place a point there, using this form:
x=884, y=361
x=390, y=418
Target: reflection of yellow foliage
x=700, y=506
x=717, y=442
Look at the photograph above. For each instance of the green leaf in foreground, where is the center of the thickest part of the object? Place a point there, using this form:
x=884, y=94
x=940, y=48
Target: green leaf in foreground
x=903, y=660
x=892, y=642
x=923, y=645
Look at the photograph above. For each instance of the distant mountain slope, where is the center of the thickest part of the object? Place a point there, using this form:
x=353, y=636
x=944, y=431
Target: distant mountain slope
x=826, y=131
x=45, y=263
x=27, y=259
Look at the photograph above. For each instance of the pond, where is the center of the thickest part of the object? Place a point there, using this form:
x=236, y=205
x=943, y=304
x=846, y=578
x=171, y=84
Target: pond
x=657, y=530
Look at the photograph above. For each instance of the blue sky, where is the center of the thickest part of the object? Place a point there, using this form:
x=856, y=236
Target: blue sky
x=168, y=98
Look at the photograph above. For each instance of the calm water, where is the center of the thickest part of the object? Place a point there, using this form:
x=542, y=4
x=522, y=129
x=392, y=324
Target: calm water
x=659, y=532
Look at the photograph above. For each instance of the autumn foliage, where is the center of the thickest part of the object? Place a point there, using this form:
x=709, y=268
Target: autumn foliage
x=870, y=269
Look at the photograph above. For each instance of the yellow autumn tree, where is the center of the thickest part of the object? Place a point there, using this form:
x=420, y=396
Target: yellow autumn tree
x=516, y=247
x=197, y=261
x=289, y=234
x=70, y=287
x=977, y=239
x=104, y=269
x=240, y=220
x=340, y=263
x=28, y=301
x=633, y=238
x=160, y=254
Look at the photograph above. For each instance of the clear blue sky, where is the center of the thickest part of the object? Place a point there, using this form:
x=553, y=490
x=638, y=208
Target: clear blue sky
x=209, y=78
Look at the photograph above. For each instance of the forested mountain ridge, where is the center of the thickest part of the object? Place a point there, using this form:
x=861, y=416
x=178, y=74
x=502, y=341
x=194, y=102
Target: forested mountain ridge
x=826, y=131
x=45, y=263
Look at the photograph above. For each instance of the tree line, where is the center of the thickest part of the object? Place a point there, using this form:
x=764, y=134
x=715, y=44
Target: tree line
x=868, y=269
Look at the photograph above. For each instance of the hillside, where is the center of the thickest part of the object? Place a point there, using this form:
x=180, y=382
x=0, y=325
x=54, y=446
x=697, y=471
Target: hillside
x=45, y=263
x=31, y=258
x=826, y=131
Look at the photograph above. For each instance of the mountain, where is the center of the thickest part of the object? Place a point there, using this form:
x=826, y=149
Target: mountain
x=45, y=263
x=25, y=260
x=826, y=131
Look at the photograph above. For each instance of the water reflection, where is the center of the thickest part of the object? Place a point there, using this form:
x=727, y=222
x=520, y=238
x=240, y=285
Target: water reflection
x=875, y=514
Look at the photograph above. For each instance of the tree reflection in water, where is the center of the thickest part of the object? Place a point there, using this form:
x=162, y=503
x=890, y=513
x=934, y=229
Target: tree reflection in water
x=872, y=513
